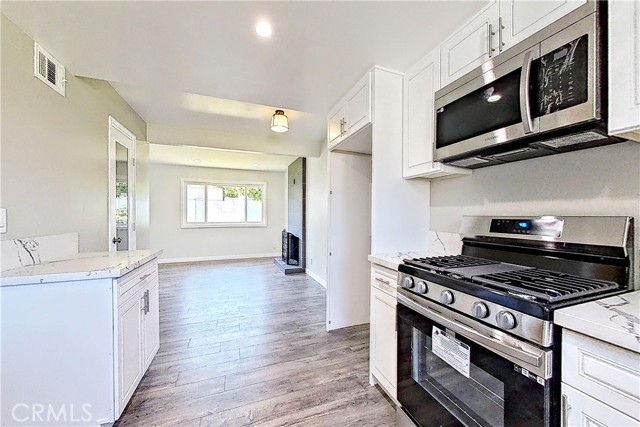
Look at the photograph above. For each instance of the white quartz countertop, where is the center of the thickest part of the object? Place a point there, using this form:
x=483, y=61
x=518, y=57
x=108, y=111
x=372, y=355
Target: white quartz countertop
x=393, y=260
x=82, y=266
x=615, y=320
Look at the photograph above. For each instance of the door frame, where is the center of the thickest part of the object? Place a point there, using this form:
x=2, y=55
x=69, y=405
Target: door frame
x=117, y=132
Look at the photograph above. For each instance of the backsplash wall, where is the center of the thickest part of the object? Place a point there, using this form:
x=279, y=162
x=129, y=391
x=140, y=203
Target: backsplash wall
x=597, y=181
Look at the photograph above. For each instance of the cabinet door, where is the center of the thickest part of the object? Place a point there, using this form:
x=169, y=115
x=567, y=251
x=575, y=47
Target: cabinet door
x=383, y=340
x=420, y=84
x=624, y=69
x=472, y=45
x=359, y=105
x=522, y=18
x=335, y=126
x=152, y=324
x=130, y=348
x=578, y=409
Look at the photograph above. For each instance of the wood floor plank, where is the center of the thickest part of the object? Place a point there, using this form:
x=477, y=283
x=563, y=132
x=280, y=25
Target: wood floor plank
x=242, y=344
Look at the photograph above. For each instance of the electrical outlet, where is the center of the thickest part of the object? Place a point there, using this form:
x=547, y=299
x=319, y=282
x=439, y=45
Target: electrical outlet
x=3, y=220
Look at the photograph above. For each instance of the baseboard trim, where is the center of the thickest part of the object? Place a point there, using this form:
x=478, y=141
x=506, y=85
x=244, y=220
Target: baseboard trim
x=216, y=258
x=315, y=277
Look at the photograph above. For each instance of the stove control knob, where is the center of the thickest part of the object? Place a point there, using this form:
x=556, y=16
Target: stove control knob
x=407, y=282
x=446, y=297
x=479, y=310
x=505, y=320
x=422, y=288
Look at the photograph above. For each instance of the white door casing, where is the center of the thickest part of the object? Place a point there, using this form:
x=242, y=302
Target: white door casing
x=121, y=142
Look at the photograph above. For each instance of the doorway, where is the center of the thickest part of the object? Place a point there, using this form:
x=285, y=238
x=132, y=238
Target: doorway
x=122, y=184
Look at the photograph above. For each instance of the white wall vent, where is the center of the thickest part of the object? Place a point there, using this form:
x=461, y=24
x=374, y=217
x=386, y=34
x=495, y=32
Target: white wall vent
x=48, y=69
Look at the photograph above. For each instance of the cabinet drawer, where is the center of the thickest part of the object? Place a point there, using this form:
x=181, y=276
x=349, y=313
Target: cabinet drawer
x=384, y=280
x=130, y=283
x=606, y=372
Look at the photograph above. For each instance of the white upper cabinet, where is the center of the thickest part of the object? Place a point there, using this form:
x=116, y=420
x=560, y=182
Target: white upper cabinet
x=624, y=69
x=472, y=45
x=495, y=29
x=351, y=114
x=418, y=137
x=358, y=102
x=521, y=18
x=335, y=125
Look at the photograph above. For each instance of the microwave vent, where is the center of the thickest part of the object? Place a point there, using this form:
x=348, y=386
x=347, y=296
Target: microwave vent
x=566, y=141
x=464, y=163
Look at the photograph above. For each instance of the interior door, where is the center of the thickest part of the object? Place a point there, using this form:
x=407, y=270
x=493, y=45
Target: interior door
x=122, y=154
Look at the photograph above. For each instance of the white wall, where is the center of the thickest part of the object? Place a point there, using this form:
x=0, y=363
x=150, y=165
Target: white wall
x=54, y=174
x=317, y=205
x=181, y=244
x=598, y=181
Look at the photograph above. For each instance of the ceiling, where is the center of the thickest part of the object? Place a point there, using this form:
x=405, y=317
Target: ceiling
x=198, y=75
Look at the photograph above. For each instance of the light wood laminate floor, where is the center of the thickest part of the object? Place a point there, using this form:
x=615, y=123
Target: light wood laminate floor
x=242, y=344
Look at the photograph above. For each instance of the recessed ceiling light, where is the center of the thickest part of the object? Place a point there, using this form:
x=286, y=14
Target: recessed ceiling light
x=196, y=161
x=263, y=28
x=255, y=165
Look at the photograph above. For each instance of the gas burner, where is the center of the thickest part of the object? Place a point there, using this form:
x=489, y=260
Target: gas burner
x=443, y=263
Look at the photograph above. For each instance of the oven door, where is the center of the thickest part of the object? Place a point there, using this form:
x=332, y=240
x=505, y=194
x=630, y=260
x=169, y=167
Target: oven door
x=453, y=371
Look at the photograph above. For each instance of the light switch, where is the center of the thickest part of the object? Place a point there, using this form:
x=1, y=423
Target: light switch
x=3, y=220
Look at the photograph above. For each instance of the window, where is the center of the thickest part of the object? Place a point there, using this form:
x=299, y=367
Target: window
x=223, y=204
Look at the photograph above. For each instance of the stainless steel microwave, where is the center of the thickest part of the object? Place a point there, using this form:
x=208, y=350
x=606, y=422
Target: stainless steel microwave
x=542, y=96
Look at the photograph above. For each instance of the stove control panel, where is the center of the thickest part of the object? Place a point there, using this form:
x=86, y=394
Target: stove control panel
x=529, y=327
x=543, y=226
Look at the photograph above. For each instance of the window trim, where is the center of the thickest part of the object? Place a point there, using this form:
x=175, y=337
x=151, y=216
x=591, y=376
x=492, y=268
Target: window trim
x=222, y=183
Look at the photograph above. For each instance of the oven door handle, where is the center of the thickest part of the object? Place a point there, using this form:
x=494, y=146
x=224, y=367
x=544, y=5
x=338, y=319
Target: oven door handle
x=536, y=361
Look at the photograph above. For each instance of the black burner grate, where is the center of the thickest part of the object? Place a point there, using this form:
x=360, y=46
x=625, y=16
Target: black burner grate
x=441, y=263
x=544, y=285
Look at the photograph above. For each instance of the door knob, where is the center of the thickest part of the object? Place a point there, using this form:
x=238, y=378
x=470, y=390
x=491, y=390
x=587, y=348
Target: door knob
x=117, y=240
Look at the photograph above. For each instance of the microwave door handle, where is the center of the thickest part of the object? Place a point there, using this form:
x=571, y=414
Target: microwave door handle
x=525, y=104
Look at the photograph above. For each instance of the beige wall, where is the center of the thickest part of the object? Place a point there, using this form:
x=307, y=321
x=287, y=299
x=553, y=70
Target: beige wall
x=54, y=155
x=181, y=244
x=598, y=181
x=317, y=206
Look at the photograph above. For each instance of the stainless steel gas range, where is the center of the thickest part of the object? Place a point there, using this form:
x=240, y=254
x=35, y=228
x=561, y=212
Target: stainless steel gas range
x=477, y=345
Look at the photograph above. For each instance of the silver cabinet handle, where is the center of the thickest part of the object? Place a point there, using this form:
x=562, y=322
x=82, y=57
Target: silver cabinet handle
x=500, y=28
x=490, y=40
x=565, y=410
x=525, y=107
x=386, y=282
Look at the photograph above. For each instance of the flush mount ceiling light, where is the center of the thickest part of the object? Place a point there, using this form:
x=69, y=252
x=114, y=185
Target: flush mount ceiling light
x=196, y=161
x=279, y=122
x=263, y=29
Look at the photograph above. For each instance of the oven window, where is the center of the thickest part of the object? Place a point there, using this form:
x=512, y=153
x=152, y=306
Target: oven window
x=494, y=106
x=476, y=400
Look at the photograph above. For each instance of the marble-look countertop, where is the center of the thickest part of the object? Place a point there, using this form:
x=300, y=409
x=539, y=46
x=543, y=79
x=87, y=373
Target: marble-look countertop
x=81, y=266
x=615, y=320
x=442, y=243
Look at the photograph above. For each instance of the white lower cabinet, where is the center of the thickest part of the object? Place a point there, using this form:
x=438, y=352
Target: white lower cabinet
x=81, y=348
x=130, y=350
x=582, y=410
x=383, y=340
x=600, y=383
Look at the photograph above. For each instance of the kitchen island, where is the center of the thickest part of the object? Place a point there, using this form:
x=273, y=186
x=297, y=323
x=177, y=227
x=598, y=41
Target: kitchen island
x=77, y=336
